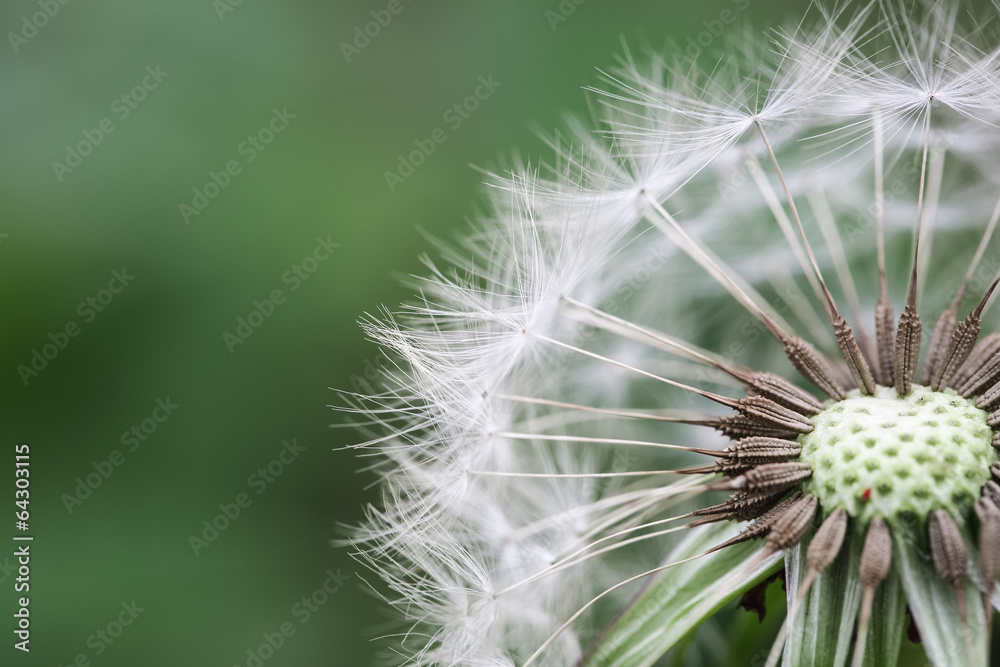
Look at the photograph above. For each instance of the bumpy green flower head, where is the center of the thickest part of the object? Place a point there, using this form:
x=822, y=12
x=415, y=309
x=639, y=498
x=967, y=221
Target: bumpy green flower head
x=885, y=455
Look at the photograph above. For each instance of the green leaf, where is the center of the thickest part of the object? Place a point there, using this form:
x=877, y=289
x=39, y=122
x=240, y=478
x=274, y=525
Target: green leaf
x=822, y=627
x=934, y=607
x=681, y=598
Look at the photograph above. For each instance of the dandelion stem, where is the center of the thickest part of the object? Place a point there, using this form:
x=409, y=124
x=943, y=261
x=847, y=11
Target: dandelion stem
x=772, y=321
x=683, y=415
x=785, y=285
x=909, y=328
x=701, y=392
x=672, y=344
x=570, y=561
x=920, y=193
x=577, y=475
x=878, y=141
x=831, y=306
x=602, y=441
x=935, y=175
x=980, y=251
x=771, y=198
x=763, y=383
x=633, y=503
x=541, y=649
x=828, y=226
x=647, y=501
x=845, y=338
x=761, y=409
x=884, y=319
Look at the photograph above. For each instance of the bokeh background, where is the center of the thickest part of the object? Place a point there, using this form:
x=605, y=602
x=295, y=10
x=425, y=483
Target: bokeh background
x=225, y=67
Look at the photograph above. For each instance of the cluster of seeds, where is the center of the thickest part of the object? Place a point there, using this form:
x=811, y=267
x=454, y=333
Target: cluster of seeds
x=886, y=456
x=490, y=525
x=886, y=450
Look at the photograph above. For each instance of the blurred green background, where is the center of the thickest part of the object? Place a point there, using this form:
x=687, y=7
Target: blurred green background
x=222, y=69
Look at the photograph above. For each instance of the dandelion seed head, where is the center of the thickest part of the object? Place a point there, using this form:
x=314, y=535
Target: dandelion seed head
x=886, y=456
x=766, y=259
